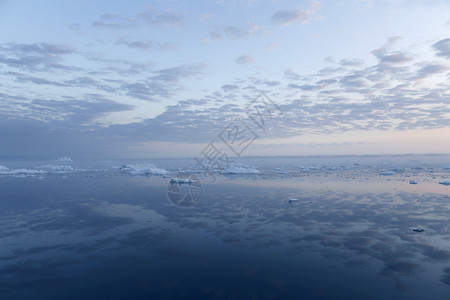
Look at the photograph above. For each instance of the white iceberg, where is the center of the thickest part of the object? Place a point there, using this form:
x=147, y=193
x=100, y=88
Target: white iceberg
x=291, y=200
x=240, y=169
x=57, y=168
x=64, y=159
x=182, y=180
x=418, y=229
x=3, y=169
x=445, y=182
x=23, y=172
x=143, y=169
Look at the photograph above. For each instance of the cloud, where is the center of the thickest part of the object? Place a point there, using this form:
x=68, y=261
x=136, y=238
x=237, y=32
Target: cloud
x=114, y=22
x=173, y=75
x=244, y=59
x=230, y=87
x=396, y=57
x=145, y=45
x=234, y=32
x=442, y=48
x=215, y=35
x=350, y=62
x=153, y=17
x=150, y=17
x=42, y=56
x=289, y=17
x=431, y=69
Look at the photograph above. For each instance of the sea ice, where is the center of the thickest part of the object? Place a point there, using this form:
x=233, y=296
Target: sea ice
x=57, y=168
x=24, y=172
x=387, y=173
x=143, y=169
x=64, y=159
x=182, y=180
x=445, y=182
x=291, y=200
x=240, y=169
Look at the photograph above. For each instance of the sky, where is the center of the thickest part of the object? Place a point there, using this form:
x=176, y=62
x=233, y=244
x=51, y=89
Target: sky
x=148, y=79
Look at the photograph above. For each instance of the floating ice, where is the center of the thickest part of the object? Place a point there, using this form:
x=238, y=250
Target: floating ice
x=412, y=182
x=387, y=173
x=291, y=200
x=182, y=180
x=418, y=229
x=64, y=159
x=143, y=169
x=3, y=168
x=240, y=169
x=57, y=168
x=445, y=182
x=22, y=172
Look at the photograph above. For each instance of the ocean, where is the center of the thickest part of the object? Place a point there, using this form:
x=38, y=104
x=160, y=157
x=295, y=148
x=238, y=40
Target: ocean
x=336, y=227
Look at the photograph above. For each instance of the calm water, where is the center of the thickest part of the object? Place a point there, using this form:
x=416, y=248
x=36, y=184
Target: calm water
x=108, y=235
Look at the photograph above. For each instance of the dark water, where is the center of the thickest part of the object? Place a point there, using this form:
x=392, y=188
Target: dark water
x=112, y=236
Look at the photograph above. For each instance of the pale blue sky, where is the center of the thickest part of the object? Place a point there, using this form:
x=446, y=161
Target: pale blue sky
x=148, y=78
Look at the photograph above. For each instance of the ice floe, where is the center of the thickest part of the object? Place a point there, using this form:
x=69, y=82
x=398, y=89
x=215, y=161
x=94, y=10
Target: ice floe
x=240, y=169
x=57, y=168
x=292, y=200
x=64, y=159
x=418, y=229
x=22, y=172
x=143, y=169
x=445, y=182
x=387, y=173
x=412, y=182
x=175, y=180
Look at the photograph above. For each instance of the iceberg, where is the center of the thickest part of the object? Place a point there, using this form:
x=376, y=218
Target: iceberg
x=64, y=159
x=412, y=182
x=23, y=172
x=143, y=169
x=3, y=169
x=418, y=229
x=445, y=182
x=387, y=173
x=57, y=168
x=175, y=180
x=240, y=169
x=291, y=200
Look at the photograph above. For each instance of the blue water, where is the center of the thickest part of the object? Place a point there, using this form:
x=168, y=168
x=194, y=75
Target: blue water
x=103, y=234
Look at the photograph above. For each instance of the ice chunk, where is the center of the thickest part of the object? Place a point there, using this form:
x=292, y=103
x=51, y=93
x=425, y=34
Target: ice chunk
x=387, y=173
x=64, y=159
x=57, y=168
x=445, y=182
x=24, y=172
x=182, y=180
x=412, y=182
x=143, y=169
x=291, y=200
x=418, y=229
x=3, y=169
x=240, y=169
